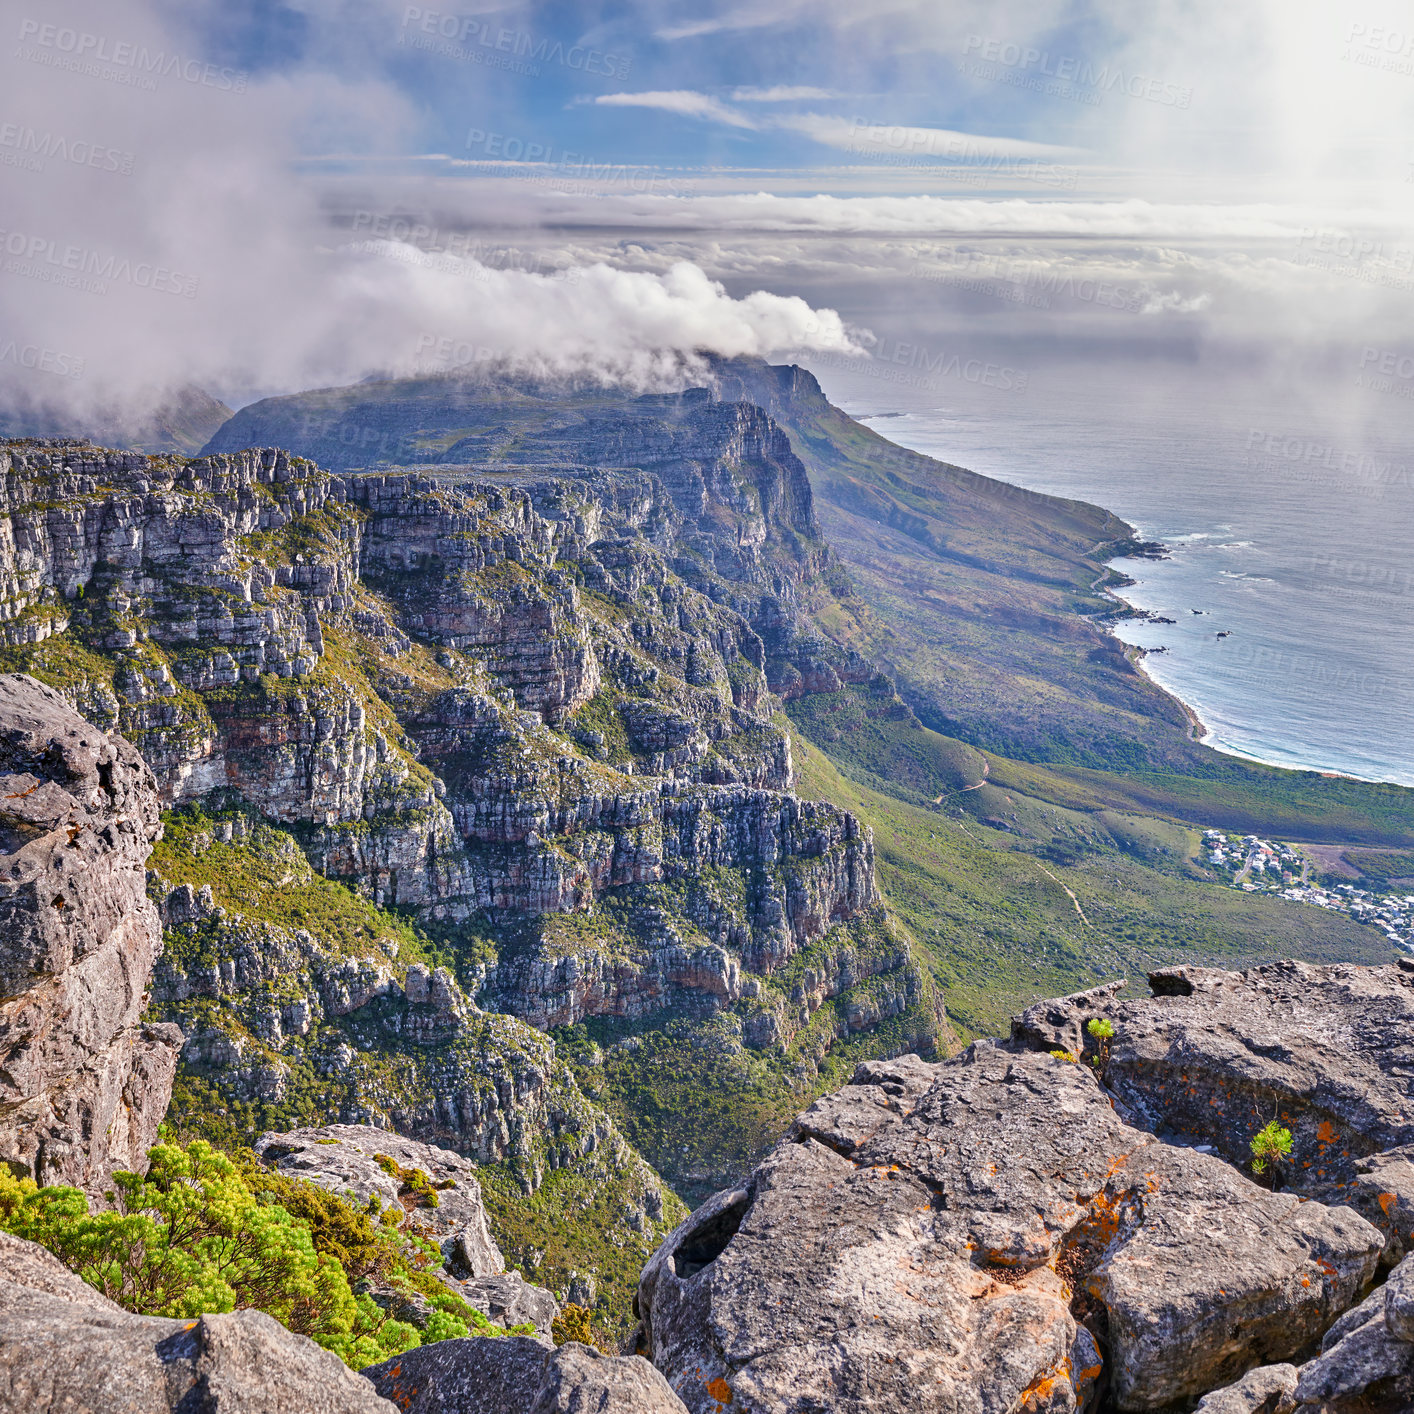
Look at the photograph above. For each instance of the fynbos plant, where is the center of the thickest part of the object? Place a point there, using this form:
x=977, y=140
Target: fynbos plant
x=1270, y=1145
x=1103, y=1032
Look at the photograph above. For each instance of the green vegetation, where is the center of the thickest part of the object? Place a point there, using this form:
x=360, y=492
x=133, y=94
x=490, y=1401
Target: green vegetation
x=202, y=1232
x=1381, y=867
x=573, y=1323
x=1270, y=1145
x=1102, y=1030
x=1003, y=922
x=258, y=870
x=575, y=1223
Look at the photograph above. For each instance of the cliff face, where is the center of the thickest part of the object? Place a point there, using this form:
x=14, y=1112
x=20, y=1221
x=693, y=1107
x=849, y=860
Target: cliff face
x=527, y=706
x=83, y=1084
x=471, y=696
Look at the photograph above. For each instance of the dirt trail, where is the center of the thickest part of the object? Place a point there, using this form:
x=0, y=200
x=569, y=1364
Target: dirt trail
x=1073, y=899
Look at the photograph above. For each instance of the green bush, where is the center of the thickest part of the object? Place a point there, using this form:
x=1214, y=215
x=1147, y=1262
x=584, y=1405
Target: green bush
x=1270, y=1145
x=197, y=1235
x=573, y=1323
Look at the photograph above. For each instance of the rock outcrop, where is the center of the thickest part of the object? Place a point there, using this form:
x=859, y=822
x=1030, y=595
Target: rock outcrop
x=436, y=1187
x=65, y=1347
x=83, y=1083
x=982, y=1233
x=1212, y=1056
x=520, y=1374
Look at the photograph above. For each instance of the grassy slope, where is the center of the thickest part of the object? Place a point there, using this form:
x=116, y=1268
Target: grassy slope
x=981, y=601
x=989, y=905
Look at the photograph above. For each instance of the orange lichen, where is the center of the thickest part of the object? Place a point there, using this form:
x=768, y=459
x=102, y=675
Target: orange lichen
x=1326, y=1132
x=1387, y=1201
x=720, y=1390
x=1038, y=1393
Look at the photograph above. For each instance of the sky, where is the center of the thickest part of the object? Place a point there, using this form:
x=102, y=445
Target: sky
x=257, y=198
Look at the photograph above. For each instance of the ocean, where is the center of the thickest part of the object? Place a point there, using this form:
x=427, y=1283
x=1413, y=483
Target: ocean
x=1288, y=513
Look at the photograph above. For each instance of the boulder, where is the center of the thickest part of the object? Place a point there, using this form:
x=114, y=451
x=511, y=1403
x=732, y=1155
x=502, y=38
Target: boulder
x=974, y=1243
x=66, y=1347
x=1212, y=1056
x=83, y=1083
x=509, y=1300
x=1368, y=1371
x=1266, y=1390
x=345, y=1159
x=519, y=1375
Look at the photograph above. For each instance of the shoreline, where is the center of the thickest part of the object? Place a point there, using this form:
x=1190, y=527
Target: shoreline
x=1199, y=732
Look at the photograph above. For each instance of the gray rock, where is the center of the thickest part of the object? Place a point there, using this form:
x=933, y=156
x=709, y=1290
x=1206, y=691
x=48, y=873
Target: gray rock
x=1399, y=1300
x=1266, y=1390
x=1373, y=1305
x=343, y=1158
x=83, y=1083
x=1368, y=1371
x=1213, y=1055
x=937, y=1249
x=509, y=1300
x=488, y=1376
x=67, y=1349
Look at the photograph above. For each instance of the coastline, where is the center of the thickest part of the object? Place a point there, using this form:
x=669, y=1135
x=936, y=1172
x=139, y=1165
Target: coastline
x=1199, y=732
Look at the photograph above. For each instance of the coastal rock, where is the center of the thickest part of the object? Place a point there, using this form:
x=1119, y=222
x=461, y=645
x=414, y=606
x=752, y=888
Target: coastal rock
x=517, y=1373
x=83, y=1083
x=65, y=1347
x=436, y=1187
x=1033, y=1226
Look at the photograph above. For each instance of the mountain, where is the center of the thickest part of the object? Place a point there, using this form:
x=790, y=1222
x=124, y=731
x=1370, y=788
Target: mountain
x=181, y=421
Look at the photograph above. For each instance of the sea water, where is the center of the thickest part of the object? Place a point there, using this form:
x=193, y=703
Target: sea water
x=1289, y=522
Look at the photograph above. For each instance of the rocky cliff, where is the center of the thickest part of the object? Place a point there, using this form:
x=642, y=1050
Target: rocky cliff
x=446, y=753
x=83, y=1082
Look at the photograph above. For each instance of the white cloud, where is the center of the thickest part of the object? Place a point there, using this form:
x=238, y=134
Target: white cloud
x=255, y=293
x=681, y=101
x=899, y=139
x=783, y=93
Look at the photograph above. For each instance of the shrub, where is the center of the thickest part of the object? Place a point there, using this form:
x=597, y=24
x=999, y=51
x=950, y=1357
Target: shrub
x=573, y=1323
x=1102, y=1031
x=1065, y=1056
x=192, y=1237
x=1270, y=1145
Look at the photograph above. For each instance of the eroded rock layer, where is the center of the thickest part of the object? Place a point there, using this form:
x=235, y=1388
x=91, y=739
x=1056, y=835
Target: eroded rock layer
x=83, y=1083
